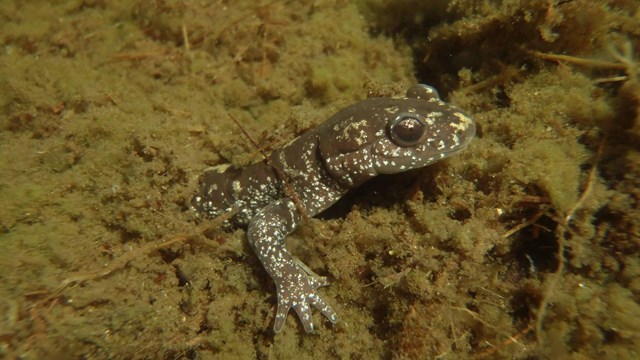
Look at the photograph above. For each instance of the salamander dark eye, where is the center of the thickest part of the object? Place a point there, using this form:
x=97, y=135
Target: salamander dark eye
x=407, y=130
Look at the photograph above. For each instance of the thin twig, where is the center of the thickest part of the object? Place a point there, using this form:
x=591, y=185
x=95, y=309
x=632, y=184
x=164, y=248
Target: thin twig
x=561, y=232
x=580, y=61
x=523, y=225
x=119, y=262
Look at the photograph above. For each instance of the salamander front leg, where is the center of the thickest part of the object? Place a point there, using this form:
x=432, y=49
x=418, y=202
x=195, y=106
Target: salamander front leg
x=295, y=284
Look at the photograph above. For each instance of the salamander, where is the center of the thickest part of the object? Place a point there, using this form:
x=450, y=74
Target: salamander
x=379, y=135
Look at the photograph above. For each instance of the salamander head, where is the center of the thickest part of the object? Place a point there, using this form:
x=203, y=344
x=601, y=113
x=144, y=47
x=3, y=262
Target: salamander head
x=391, y=135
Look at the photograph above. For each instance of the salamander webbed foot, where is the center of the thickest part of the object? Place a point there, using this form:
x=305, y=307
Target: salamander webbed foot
x=297, y=290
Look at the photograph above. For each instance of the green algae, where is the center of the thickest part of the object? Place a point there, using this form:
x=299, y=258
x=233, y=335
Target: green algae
x=109, y=113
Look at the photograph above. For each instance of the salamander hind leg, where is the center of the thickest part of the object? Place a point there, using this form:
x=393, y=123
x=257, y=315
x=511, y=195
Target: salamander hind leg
x=296, y=285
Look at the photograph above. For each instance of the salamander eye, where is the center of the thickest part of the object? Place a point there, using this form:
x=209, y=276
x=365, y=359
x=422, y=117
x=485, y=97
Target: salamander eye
x=407, y=129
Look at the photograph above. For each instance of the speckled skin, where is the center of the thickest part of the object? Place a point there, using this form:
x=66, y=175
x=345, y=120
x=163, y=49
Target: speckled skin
x=374, y=136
